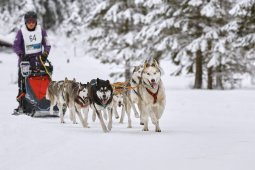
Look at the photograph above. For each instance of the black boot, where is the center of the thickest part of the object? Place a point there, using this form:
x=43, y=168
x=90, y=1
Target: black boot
x=19, y=109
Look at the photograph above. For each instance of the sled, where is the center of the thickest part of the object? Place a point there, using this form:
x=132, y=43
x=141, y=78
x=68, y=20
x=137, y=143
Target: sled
x=33, y=100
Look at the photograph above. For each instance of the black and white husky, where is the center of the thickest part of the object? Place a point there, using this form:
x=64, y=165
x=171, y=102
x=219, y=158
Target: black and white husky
x=152, y=93
x=101, y=95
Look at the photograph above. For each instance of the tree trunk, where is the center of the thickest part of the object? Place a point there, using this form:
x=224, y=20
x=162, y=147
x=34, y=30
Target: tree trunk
x=127, y=69
x=199, y=70
x=210, y=78
x=219, y=83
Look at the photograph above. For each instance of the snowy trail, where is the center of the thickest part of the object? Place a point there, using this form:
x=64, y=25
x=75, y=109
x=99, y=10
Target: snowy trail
x=191, y=139
x=200, y=130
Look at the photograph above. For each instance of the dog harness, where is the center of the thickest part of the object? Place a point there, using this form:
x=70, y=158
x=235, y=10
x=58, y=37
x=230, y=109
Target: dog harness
x=81, y=101
x=154, y=95
x=134, y=89
x=32, y=40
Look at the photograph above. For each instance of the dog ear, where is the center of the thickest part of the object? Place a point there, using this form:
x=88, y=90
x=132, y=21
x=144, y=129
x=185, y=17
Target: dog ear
x=145, y=64
x=74, y=80
x=134, y=69
x=107, y=81
x=155, y=63
x=65, y=80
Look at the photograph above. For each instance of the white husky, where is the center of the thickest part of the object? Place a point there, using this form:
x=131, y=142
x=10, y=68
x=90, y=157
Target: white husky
x=132, y=96
x=120, y=100
x=152, y=93
x=134, y=83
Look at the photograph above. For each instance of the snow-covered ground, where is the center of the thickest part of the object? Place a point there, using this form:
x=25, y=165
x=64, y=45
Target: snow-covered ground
x=201, y=129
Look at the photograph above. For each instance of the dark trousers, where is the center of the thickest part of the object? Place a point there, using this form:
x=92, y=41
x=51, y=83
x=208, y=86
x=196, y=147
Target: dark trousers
x=21, y=83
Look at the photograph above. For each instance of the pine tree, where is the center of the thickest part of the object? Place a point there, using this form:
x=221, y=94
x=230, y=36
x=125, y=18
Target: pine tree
x=188, y=32
x=244, y=41
x=115, y=24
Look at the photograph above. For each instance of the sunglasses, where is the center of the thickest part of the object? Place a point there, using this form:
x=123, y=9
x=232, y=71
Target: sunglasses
x=31, y=21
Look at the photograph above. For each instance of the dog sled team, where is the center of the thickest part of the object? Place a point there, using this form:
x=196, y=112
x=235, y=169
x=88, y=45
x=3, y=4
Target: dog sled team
x=145, y=89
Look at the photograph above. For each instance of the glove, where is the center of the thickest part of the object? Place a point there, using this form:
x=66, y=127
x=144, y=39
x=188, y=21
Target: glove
x=24, y=57
x=44, y=56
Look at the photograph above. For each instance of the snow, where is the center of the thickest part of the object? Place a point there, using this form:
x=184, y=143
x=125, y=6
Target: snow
x=208, y=10
x=201, y=129
x=240, y=9
x=195, y=2
x=214, y=61
x=9, y=38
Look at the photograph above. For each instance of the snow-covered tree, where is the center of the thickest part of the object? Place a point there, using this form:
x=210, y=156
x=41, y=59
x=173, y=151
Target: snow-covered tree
x=115, y=24
x=243, y=27
x=188, y=32
x=52, y=14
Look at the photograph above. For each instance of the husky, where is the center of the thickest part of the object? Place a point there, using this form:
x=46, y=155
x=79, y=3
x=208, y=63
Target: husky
x=55, y=93
x=76, y=100
x=101, y=95
x=133, y=95
x=153, y=99
x=122, y=100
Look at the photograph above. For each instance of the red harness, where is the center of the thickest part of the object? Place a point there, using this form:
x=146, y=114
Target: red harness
x=154, y=95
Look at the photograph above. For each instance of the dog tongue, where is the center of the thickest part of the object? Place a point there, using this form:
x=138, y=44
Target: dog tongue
x=154, y=85
x=104, y=101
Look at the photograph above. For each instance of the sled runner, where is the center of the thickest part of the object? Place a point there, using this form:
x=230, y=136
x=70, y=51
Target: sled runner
x=36, y=80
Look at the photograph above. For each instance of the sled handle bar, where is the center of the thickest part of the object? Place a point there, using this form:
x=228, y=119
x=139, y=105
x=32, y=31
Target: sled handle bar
x=25, y=68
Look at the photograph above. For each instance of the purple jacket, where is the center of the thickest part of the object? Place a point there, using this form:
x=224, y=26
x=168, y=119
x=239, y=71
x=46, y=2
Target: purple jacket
x=19, y=49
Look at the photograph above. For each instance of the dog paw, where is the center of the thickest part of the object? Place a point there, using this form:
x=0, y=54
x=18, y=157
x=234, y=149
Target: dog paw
x=87, y=125
x=106, y=131
x=157, y=130
x=141, y=123
x=145, y=129
x=109, y=127
x=117, y=117
x=129, y=126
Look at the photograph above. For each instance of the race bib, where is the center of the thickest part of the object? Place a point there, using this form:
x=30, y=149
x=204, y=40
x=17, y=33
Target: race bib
x=32, y=40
